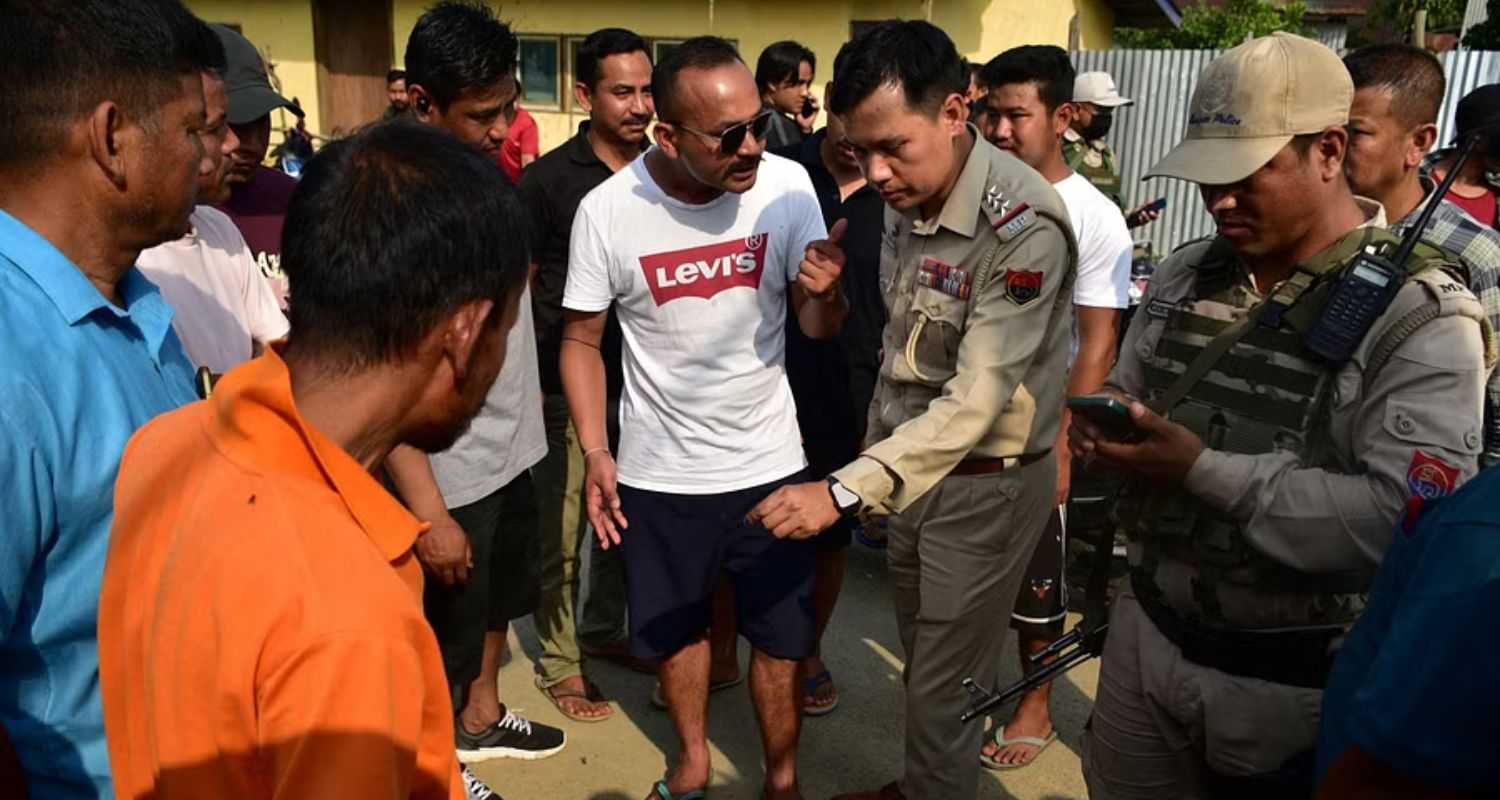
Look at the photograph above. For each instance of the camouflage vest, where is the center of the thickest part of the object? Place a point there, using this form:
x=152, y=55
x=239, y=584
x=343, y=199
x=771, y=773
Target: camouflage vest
x=1097, y=164
x=1263, y=394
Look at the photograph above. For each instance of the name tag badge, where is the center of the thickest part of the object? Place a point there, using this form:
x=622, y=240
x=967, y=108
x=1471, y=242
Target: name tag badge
x=946, y=278
x=1159, y=309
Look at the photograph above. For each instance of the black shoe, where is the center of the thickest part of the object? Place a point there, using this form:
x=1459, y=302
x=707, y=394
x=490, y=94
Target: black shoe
x=475, y=789
x=511, y=737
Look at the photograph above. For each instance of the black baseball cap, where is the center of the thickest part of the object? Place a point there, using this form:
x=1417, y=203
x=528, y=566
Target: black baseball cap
x=245, y=81
x=1479, y=110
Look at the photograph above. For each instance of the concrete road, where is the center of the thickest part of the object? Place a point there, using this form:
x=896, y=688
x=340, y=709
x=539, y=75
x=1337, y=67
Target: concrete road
x=858, y=746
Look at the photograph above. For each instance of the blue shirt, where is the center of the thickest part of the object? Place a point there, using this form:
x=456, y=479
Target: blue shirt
x=78, y=376
x=1414, y=683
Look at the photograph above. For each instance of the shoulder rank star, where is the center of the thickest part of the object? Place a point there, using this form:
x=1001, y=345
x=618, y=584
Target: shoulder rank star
x=995, y=201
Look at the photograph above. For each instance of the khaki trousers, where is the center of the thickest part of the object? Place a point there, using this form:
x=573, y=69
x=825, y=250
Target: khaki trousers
x=565, y=533
x=957, y=557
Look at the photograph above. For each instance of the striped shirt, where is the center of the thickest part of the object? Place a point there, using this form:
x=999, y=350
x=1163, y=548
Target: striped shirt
x=1478, y=245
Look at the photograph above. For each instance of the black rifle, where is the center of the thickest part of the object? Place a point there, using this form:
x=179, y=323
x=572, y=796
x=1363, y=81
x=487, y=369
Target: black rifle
x=1086, y=640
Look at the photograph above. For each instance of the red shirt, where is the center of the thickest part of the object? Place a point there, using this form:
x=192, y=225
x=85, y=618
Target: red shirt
x=521, y=140
x=1481, y=208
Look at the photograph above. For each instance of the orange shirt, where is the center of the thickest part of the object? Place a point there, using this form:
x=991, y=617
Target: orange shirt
x=260, y=627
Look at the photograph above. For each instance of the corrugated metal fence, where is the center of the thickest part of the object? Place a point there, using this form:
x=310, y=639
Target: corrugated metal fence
x=1161, y=82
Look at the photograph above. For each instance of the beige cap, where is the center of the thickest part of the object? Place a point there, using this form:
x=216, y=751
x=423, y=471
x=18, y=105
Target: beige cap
x=1098, y=88
x=1251, y=101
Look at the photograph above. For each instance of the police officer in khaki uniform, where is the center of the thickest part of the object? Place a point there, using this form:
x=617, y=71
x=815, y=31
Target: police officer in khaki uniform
x=1275, y=463
x=977, y=272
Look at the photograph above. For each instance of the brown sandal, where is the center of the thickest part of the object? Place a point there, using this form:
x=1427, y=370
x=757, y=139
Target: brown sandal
x=591, y=694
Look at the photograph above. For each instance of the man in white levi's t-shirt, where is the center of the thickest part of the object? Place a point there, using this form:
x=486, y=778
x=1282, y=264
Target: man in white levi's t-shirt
x=1027, y=111
x=696, y=246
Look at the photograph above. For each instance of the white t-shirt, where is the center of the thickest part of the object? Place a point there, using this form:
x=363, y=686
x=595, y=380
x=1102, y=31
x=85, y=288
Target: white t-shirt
x=1104, y=246
x=701, y=294
x=220, y=300
x=507, y=437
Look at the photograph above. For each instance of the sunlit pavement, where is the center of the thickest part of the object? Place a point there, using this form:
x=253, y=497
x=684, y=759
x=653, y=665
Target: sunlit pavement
x=858, y=746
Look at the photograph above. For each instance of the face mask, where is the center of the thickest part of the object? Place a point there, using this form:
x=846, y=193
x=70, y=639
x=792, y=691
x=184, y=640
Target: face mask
x=1099, y=127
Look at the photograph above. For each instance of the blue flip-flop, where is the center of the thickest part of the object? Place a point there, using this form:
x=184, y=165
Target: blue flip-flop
x=810, y=686
x=662, y=792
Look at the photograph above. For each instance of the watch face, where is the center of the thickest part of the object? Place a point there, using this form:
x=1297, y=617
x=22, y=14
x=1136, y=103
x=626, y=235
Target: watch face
x=843, y=498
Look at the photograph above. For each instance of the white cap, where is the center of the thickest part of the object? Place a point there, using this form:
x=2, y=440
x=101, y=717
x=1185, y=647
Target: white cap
x=1098, y=88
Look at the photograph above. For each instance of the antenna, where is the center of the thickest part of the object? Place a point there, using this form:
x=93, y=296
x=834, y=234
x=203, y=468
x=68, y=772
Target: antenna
x=1409, y=242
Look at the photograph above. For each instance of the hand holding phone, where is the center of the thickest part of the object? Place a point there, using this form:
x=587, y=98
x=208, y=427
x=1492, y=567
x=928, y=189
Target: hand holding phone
x=1109, y=414
x=1144, y=214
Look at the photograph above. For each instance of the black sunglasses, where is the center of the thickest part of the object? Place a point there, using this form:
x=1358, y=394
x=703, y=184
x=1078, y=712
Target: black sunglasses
x=733, y=136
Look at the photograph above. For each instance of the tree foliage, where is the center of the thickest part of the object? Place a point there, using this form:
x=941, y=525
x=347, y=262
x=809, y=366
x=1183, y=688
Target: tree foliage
x=1206, y=27
x=1486, y=35
x=1398, y=16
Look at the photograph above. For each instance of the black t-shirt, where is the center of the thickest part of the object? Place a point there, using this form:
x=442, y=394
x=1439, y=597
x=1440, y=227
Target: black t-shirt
x=833, y=381
x=552, y=187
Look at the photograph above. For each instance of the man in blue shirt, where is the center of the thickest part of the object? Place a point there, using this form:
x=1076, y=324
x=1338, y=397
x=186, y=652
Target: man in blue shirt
x=1410, y=707
x=99, y=158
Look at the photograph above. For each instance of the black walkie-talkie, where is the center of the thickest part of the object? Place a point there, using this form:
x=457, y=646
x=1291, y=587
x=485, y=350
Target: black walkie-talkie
x=1362, y=293
x=1367, y=286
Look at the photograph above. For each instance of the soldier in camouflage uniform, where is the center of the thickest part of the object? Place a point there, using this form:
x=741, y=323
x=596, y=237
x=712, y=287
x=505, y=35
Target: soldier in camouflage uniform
x=1095, y=99
x=1269, y=480
x=1084, y=148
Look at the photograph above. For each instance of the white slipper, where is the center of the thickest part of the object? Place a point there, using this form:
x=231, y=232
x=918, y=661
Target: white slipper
x=1002, y=743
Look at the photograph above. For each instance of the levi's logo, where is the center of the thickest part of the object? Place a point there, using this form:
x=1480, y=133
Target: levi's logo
x=705, y=271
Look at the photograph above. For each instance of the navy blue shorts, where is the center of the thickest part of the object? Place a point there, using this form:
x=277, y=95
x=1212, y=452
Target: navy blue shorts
x=676, y=548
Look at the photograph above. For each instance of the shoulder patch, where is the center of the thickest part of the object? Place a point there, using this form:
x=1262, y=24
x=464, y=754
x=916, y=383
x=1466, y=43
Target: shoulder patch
x=1013, y=222
x=1430, y=477
x=1023, y=285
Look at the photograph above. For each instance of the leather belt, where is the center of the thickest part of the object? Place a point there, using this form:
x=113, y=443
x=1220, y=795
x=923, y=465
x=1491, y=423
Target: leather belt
x=989, y=466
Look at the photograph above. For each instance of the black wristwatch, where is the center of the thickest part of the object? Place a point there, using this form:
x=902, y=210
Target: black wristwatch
x=844, y=499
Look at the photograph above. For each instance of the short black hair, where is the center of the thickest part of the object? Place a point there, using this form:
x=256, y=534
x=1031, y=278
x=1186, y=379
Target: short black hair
x=459, y=46
x=913, y=55
x=1413, y=76
x=699, y=52
x=395, y=75
x=65, y=59
x=380, y=242
x=1045, y=65
x=602, y=44
x=781, y=62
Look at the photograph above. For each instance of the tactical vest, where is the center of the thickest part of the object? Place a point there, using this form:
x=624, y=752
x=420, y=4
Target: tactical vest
x=1263, y=394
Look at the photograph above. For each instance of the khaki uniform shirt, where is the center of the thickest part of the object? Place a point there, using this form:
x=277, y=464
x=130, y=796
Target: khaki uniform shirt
x=1385, y=431
x=975, y=359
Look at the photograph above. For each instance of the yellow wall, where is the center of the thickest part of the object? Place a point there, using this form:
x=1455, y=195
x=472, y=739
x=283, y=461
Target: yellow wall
x=980, y=28
x=283, y=32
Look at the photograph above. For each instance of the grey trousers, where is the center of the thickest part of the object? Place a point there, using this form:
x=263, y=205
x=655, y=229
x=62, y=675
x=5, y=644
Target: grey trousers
x=1164, y=726
x=957, y=557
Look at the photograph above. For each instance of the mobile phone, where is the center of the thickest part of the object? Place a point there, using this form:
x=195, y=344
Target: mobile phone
x=1109, y=415
x=808, y=107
